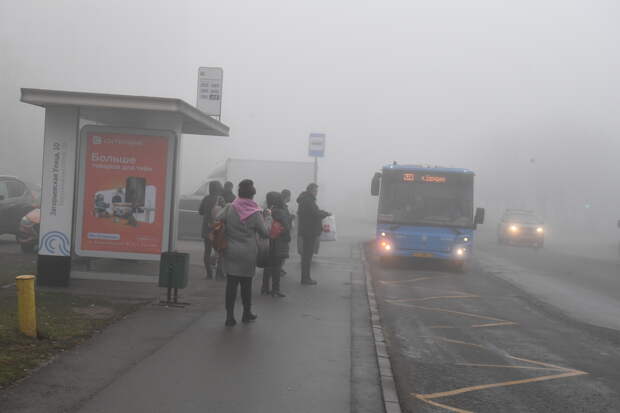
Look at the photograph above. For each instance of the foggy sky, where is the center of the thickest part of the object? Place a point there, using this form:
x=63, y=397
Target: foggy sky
x=486, y=85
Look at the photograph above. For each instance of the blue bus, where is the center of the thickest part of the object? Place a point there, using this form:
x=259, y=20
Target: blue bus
x=426, y=212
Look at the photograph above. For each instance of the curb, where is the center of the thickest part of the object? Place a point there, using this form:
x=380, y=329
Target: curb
x=388, y=386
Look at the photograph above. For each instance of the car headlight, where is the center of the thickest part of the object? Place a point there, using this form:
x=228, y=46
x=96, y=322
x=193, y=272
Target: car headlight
x=540, y=230
x=460, y=252
x=513, y=228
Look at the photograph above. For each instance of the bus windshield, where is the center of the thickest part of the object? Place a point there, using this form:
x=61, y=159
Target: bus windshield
x=445, y=200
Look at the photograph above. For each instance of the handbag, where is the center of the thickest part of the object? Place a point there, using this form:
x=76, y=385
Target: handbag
x=218, y=236
x=276, y=229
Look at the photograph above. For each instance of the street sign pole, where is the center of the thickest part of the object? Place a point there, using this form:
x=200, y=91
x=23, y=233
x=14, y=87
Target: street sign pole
x=316, y=169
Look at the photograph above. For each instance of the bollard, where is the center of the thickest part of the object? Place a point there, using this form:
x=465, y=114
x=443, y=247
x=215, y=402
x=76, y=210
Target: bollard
x=26, y=309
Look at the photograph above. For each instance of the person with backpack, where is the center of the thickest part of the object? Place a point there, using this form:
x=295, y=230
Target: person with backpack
x=208, y=208
x=279, y=242
x=242, y=223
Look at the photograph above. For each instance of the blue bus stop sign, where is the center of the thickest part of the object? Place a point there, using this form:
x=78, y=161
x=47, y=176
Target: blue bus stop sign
x=316, y=145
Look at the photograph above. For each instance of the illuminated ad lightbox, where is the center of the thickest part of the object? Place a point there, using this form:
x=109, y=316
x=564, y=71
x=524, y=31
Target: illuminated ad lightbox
x=124, y=192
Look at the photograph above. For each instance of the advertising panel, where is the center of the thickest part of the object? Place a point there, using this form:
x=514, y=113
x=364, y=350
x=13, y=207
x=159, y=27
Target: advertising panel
x=125, y=192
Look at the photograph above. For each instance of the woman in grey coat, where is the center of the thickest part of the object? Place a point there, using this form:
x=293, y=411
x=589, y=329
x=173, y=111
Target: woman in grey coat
x=243, y=221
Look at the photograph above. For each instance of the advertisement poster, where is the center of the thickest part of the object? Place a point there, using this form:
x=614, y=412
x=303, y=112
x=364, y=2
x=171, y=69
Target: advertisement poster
x=124, y=193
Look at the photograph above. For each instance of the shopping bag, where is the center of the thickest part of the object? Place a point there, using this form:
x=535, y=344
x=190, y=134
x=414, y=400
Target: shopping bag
x=329, y=229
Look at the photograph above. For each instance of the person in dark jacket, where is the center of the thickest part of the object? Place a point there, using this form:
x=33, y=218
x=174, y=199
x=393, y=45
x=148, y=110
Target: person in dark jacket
x=286, y=198
x=206, y=209
x=228, y=194
x=310, y=218
x=278, y=247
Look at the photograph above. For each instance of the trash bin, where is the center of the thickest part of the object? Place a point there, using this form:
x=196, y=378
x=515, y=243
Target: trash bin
x=173, y=269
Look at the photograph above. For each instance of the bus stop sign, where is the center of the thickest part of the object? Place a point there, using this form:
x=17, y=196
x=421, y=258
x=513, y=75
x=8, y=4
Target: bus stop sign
x=316, y=145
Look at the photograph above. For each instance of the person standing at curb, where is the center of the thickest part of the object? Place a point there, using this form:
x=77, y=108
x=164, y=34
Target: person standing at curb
x=206, y=209
x=243, y=221
x=278, y=245
x=310, y=227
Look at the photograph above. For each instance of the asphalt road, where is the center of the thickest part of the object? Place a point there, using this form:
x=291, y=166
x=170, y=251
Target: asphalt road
x=497, y=338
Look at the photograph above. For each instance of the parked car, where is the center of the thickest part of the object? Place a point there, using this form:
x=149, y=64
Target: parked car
x=16, y=200
x=28, y=234
x=521, y=227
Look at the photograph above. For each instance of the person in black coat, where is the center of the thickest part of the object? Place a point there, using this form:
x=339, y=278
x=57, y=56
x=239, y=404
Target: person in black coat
x=310, y=218
x=228, y=193
x=278, y=247
x=207, y=205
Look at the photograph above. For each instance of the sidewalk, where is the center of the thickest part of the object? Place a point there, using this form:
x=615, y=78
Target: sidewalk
x=295, y=358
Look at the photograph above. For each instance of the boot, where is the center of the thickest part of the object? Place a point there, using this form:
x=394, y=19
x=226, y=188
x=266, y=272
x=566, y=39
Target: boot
x=277, y=294
x=248, y=317
x=230, y=319
x=308, y=281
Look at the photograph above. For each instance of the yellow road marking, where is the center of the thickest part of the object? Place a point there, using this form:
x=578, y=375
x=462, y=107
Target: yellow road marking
x=411, y=280
x=500, y=384
x=540, y=363
x=443, y=310
x=405, y=300
x=434, y=403
x=507, y=366
x=449, y=340
x=506, y=323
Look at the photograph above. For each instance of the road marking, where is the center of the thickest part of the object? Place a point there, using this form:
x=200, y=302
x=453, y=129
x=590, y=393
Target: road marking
x=443, y=310
x=500, y=384
x=436, y=404
x=411, y=280
x=449, y=340
x=441, y=327
x=507, y=366
x=405, y=300
x=540, y=363
x=506, y=323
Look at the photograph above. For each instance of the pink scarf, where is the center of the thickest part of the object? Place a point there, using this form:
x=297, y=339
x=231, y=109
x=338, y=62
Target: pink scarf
x=245, y=208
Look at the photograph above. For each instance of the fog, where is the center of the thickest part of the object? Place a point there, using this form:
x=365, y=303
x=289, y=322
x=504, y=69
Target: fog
x=525, y=93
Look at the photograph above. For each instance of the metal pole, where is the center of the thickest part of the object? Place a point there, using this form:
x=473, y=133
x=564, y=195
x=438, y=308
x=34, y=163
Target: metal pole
x=316, y=169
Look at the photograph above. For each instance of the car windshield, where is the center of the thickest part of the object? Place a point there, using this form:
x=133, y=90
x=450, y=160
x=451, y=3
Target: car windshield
x=445, y=202
x=523, y=219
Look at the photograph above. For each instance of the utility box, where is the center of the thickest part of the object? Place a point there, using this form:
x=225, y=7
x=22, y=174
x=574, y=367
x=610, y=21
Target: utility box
x=173, y=269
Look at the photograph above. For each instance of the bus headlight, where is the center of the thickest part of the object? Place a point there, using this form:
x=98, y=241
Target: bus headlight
x=513, y=228
x=540, y=230
x=460, y=252
x=385, y=245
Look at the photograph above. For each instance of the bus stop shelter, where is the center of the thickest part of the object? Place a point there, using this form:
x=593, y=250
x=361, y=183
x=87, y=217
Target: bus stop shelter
x=110, y=177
